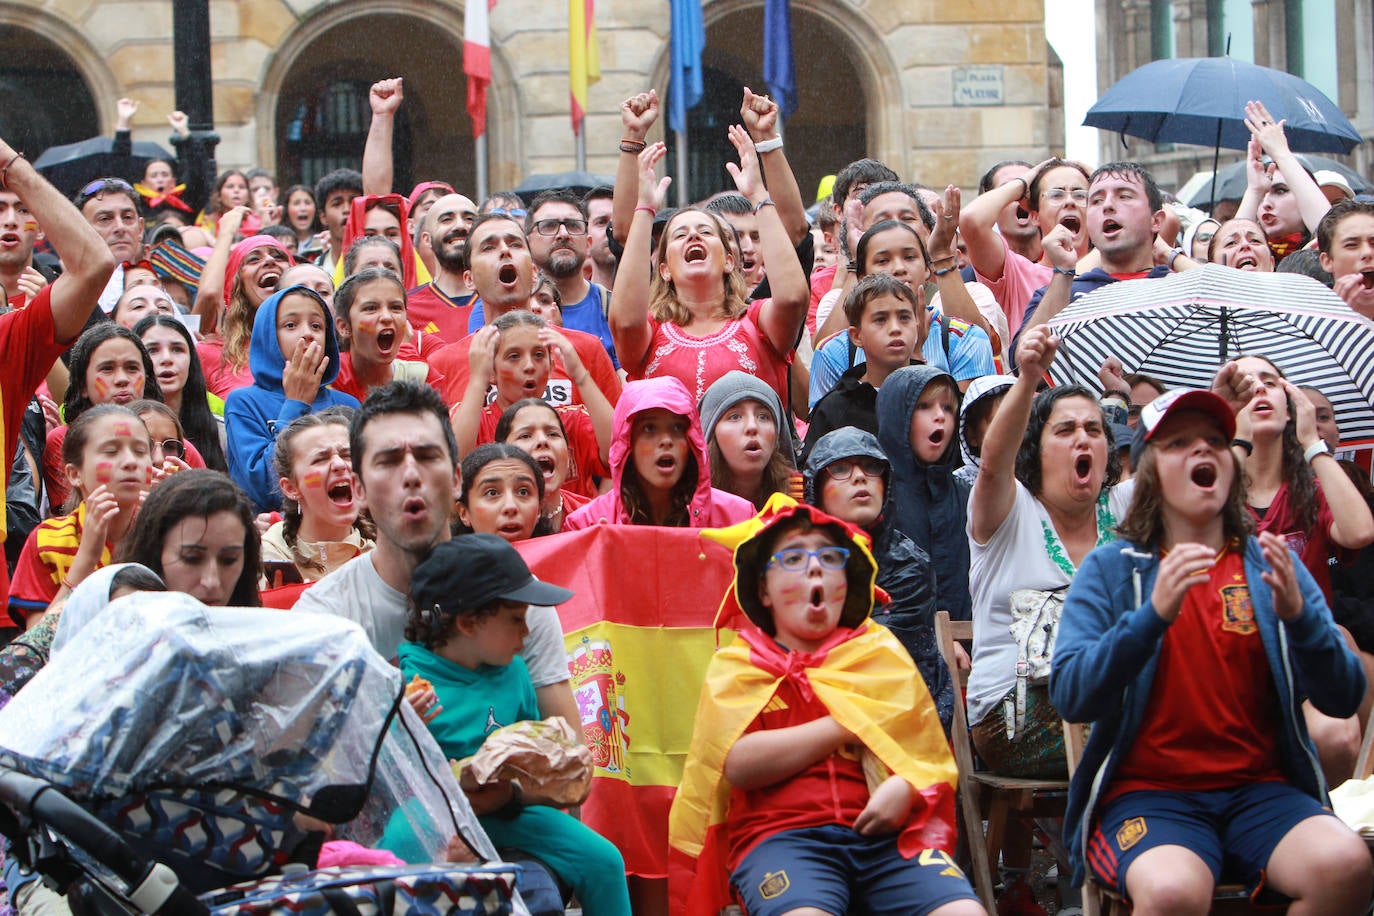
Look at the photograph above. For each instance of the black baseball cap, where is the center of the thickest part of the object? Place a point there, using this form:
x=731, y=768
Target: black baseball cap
x=473, y=571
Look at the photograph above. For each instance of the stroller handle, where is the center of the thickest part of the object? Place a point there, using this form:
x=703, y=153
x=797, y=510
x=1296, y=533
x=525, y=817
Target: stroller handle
x=154, y=887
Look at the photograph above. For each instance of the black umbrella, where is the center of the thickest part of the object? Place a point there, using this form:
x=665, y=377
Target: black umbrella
x=577, y=181
x=1231, y=180
x=71, y=166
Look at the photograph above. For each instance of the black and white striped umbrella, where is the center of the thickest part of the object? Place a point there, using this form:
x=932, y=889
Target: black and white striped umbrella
x=1181, y=328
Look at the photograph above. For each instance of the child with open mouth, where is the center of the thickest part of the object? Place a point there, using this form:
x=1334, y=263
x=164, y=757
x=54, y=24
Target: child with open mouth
x=322, y=526
x=818, y=778
x=371, y=326
x=511, y=360
x=1184, y=644
x=918, y=410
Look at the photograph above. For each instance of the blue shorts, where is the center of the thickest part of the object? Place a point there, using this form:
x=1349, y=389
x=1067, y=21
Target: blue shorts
x=826, y=867
x=1233, y=830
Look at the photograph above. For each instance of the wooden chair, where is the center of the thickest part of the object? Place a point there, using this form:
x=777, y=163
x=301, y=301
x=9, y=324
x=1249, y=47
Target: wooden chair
x=1097, y=899
x=983, y=795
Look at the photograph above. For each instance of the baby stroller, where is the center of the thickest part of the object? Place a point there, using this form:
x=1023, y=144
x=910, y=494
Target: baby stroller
x=178, y=758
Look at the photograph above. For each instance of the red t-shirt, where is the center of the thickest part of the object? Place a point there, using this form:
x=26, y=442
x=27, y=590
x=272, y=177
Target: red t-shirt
x=219, y=378
x=432, y=312
x=830, y=791
x=348, y=383
x=452, y=361
x=699, y=361
x=28, y=340
x=1313, y=547
x=43, y=564
x=583, y=452
x=1209, y=723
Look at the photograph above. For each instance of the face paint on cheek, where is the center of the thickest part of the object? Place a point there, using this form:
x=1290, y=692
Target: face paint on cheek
x=104, y=471
x=314, y=480
x=368, y=325
x=30, y=225
x=102, y=387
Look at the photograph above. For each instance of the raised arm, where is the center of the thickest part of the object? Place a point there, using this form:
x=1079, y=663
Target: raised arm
x=955, y=300
x=629, y=317
x=760, y=114
x=1312, y=203
x=385, y=97
x=1352, y=525
x=784, y=314
x=593, y=398
x=210, y=293
x=86, y=259
x=1063, y=258
x=637, y=114
x=466, y=415
x=994, y=493
x=978, y=223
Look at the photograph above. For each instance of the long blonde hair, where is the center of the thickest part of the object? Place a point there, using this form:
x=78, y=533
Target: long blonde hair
x=664, y=304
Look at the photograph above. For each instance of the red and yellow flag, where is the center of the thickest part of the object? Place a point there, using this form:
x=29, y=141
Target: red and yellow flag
x=639, y=635
x=584, y=58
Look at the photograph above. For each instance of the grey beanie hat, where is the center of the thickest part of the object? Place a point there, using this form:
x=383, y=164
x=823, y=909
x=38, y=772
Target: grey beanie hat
x=731, y=388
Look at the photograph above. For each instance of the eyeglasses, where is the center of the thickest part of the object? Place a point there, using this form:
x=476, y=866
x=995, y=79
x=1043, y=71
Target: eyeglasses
x=1079, y=195
x=550, y=226
x=102, y=186
x=844, y=468
x=797, y=559
x=173, y=448
x=513, y=212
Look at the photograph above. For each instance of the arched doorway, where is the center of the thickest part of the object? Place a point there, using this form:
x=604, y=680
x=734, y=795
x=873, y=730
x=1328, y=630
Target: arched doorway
x=830, y=125
x=322, y=112
x=47, y=101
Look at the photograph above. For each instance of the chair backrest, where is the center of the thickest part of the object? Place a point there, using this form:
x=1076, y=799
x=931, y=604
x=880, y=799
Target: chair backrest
x=1364, y=765
x=1075, y=737
x=947, y=633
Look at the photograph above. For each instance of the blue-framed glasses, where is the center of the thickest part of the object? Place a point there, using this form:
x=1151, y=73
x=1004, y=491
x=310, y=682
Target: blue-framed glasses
x=797, y=559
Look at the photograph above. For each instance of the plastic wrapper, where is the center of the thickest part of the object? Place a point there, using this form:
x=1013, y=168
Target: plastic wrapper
x=545, y=758
x=160, y=696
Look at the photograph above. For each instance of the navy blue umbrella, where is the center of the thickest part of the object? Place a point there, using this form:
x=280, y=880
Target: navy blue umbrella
x=1201, y=100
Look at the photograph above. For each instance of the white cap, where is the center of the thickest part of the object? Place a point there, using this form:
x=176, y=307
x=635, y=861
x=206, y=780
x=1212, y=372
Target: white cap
x=1328, y=179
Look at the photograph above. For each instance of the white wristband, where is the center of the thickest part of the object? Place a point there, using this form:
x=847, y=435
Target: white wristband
x=767, y=146
x=1315, y=449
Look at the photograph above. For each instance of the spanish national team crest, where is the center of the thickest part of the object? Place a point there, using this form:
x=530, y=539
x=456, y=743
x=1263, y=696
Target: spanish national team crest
x=1237, y=613
x=774, y=884
x=1130, y=833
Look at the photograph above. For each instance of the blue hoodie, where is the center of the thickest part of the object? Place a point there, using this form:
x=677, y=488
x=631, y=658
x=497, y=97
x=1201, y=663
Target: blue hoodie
x=928, y=505
x=904, y=570
x=253, y=416
x=1107, y=652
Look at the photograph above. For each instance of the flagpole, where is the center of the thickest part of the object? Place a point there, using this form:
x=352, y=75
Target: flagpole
x=581, y=137
x=479, y=149
x=682, y=172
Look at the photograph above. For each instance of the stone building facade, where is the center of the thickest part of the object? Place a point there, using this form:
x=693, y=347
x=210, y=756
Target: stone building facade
x=1328, y=42
x=938, y=90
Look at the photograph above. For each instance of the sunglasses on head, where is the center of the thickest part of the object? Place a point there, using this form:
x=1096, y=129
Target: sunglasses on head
x=103, y=186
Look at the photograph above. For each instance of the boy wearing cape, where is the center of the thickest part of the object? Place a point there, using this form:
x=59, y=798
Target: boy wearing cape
x=819, y=779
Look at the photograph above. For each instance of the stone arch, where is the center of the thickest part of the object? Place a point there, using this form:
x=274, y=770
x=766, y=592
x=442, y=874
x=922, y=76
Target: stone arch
x=857, y=45
x=68, y=90
x=434, y=114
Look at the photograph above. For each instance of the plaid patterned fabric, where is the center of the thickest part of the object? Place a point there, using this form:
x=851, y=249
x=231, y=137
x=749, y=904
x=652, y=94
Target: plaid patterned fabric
x=411, y=890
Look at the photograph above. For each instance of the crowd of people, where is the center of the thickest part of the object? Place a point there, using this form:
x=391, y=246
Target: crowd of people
x=330, y=398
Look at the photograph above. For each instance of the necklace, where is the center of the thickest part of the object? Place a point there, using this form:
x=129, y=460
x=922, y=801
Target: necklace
x=1055, y=547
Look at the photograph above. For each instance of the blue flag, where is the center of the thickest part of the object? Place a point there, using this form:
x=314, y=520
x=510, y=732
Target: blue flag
x=684, y=75
x=777, y=55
